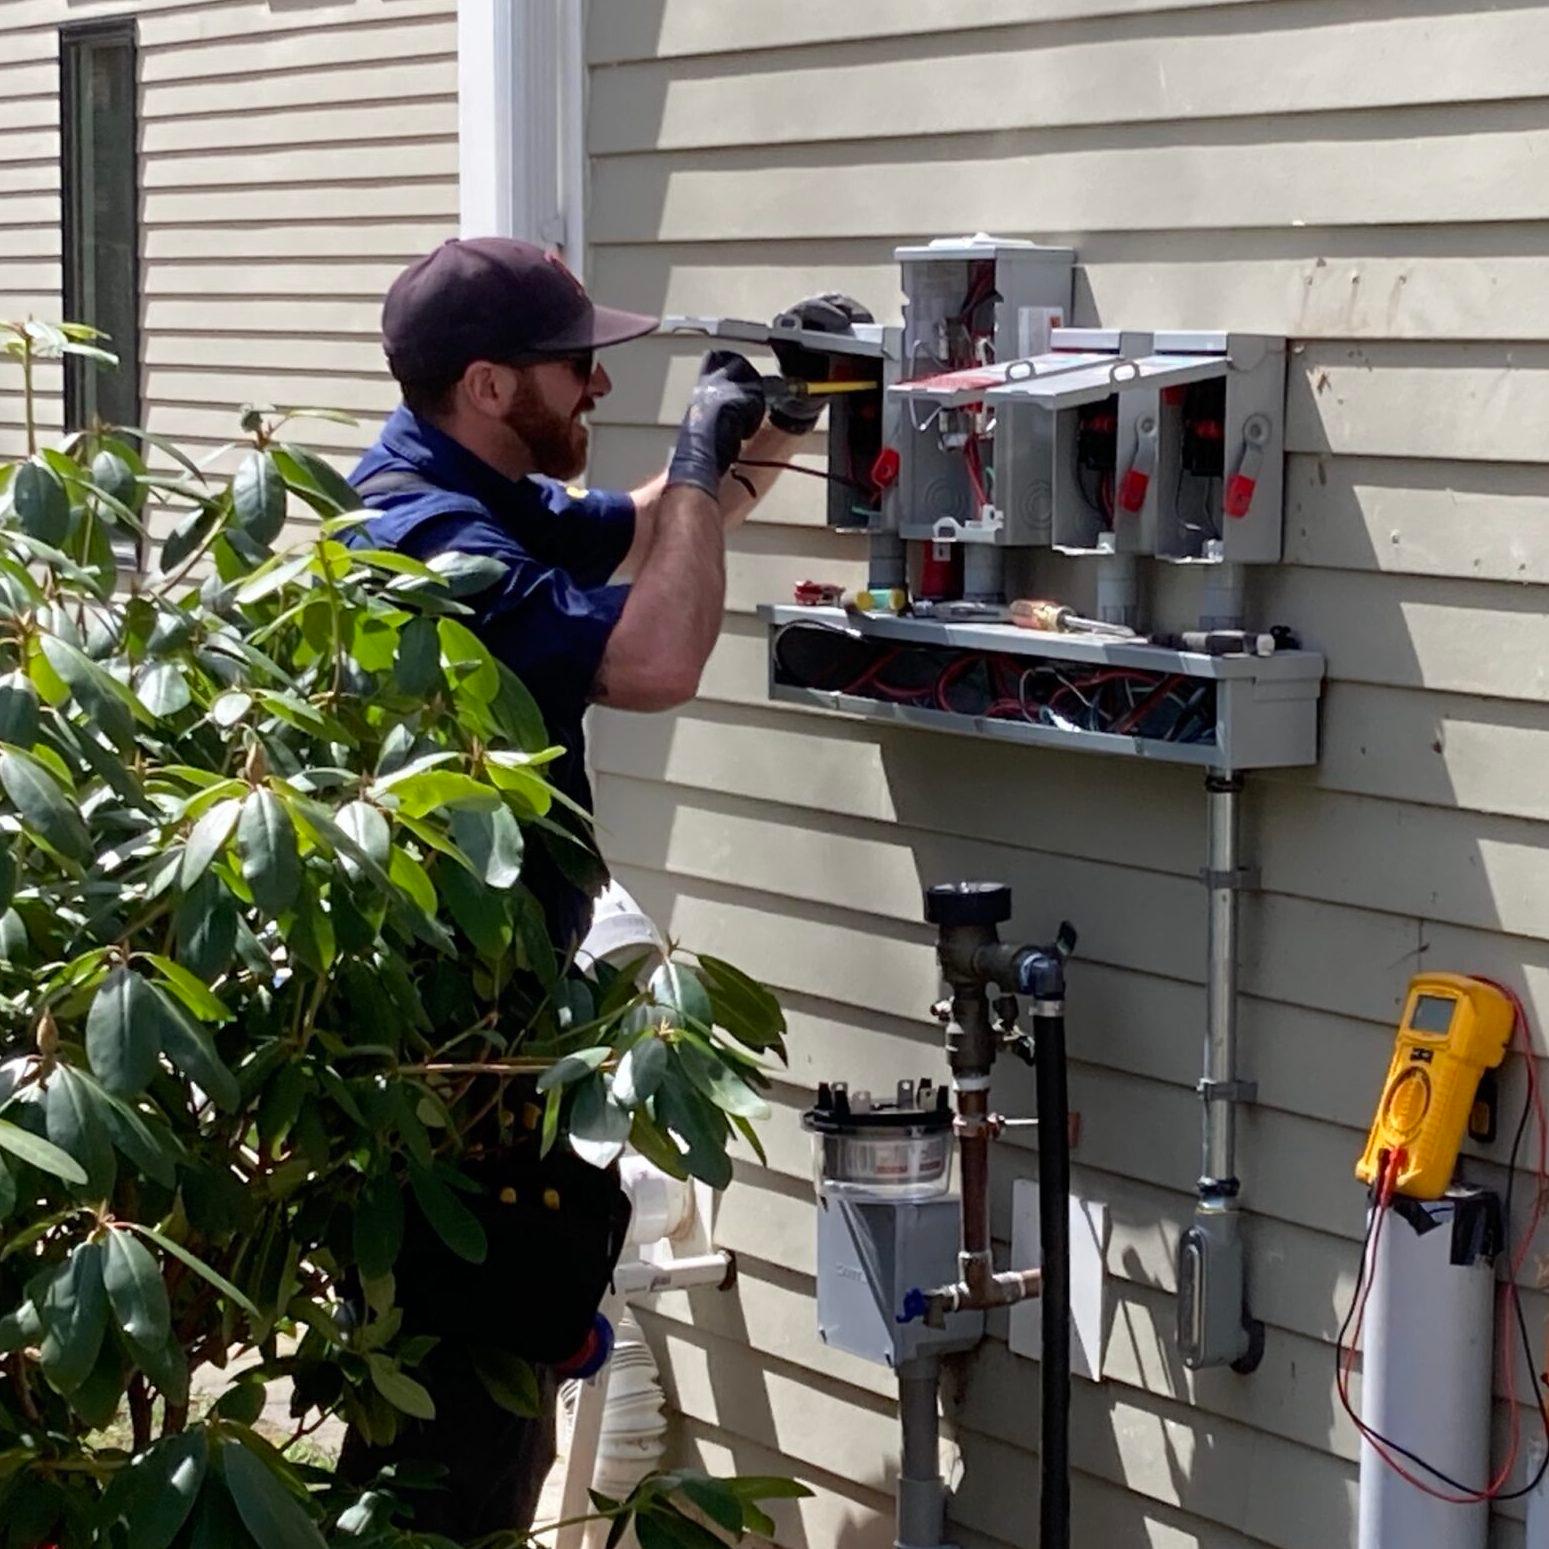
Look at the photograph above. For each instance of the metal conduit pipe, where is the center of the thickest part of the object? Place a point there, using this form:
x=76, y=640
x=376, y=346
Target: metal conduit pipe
x=1214, y=1327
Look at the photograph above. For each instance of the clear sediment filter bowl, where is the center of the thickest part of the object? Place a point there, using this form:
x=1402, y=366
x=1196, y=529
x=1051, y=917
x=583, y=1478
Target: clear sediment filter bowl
x=897, y=1149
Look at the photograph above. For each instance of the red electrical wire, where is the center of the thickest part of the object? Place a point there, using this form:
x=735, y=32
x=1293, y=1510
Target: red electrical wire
x=975, y=474
x=1346, y=1362
x=1143, y=709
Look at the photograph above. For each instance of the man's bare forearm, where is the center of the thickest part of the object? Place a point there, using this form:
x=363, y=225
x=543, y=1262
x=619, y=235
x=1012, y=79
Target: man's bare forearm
x=669, y=625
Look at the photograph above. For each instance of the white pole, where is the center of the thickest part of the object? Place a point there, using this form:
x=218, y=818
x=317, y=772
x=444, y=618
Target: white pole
x=1426, y=1382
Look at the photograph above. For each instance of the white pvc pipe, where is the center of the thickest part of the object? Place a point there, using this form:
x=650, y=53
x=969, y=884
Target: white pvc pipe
x=1426, y=1385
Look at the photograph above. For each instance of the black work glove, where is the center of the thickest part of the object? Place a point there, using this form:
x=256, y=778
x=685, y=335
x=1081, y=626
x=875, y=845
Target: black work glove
x=828, y=313
x=727, y=407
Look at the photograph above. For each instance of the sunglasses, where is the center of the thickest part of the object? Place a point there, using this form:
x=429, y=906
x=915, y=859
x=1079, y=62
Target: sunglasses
x=581, y=362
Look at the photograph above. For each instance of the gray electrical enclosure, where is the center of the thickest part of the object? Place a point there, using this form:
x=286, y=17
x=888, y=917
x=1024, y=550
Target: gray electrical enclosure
x=1265, y=712
x=970, y=301
x=871, y=1255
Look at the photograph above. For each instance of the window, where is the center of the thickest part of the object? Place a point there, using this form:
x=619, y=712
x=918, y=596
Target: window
x=101, y=215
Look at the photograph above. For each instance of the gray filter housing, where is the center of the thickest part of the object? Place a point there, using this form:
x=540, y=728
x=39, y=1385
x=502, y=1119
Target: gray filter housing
x=871, y=1254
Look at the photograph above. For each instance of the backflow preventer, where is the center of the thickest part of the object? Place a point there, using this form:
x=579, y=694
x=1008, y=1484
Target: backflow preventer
x=905, y=1269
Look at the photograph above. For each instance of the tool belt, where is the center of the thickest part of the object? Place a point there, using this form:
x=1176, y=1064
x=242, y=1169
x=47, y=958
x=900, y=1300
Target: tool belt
x=555, y=1228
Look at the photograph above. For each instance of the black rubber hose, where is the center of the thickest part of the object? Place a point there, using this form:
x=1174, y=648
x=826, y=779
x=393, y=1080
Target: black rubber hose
x=1054, y=1232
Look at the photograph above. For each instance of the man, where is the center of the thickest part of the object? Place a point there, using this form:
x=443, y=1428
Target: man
x=493, y=343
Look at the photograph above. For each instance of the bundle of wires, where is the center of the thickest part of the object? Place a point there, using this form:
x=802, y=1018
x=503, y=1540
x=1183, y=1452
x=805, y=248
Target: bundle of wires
x=995, y=686
x=1441, y=1486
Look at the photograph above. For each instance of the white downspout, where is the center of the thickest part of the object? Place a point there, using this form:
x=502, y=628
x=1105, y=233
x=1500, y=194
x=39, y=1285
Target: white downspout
x=573, y=158
x=508, y=106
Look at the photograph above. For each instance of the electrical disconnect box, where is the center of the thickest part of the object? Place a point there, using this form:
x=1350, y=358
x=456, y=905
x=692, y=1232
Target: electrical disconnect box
x=989, y=433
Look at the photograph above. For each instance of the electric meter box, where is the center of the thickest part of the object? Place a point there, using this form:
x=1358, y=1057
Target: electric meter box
x=1173, y=446
x=871, y=1255
x=971, y=304
x=862, y=426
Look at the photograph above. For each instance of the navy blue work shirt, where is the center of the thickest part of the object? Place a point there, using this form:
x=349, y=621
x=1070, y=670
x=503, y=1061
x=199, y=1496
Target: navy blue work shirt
x=550, y=617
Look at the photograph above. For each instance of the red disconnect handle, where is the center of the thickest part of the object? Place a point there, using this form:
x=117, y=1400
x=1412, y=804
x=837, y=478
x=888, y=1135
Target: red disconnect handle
x=1132, y=491
x=884, y=471
x=1239, y=494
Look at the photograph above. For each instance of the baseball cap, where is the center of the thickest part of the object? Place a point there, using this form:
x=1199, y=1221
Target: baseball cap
x=493, y=298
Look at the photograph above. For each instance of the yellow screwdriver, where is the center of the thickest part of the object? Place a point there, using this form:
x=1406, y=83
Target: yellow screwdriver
x=797, y=388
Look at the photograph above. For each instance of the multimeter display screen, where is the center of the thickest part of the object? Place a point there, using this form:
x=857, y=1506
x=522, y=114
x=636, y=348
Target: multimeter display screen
x=1433, y=1014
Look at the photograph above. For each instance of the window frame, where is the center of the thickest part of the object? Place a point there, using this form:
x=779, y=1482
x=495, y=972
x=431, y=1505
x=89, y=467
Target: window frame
x=73, y=38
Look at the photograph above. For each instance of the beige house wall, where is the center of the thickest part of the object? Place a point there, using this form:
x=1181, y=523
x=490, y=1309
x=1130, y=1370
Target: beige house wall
x=292, y=158
x=1364, y=177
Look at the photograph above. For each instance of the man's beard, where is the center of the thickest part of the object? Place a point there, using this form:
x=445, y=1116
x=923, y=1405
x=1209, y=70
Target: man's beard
x=557, y=443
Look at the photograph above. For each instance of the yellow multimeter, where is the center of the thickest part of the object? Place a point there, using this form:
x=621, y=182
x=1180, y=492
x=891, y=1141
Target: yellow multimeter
x=1454, y=1030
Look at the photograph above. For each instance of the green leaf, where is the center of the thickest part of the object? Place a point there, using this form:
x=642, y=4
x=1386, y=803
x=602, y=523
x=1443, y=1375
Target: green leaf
x=206, y=929
x=7, y=1191
x=309, y=932
x=317, y=482
x=469, y=666
x=714, y=1498
x=133, y=1138
x=453, y=1222
x=97, y=1400
x=42, y=506
x=640, y=1071
x=434, y=789
x=701, y=1127
x=656, y=1147
x=74, y=1312
x=163, y=689
x=480, y=913
x=76, y=1126
x=595, y=1117
x=742, y=1005
x=408, y=874
x=660, y=1527
x=199, y=1267
x=207, y=840
x=721, y=1084
x=18, y=710
x=417, y=669
x=679, y=988
x=275, y=1518
x=114, y=477
x=123, y=1035
x=136, y=1291
x=190, y=1048
x=229, y=708
x=258, y=498
x=368, y=828
x=189, y=988
x=186, y=537
x=243, y=1402
x=399, y=1389
x=573, y=1067
x=42, y=805
x=266, y=840
x=153, y=1495
x=40, y=1153
x=492, y=840
x=509, y=1380
x=378, y=1226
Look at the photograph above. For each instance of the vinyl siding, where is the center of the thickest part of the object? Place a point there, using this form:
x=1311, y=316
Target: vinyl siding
x=1289, y=166
x=292, y=160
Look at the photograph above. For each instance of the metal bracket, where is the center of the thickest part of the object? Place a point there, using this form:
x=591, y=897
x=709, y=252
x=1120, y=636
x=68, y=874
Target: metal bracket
x=1241, y=879
x=1228, y=1091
